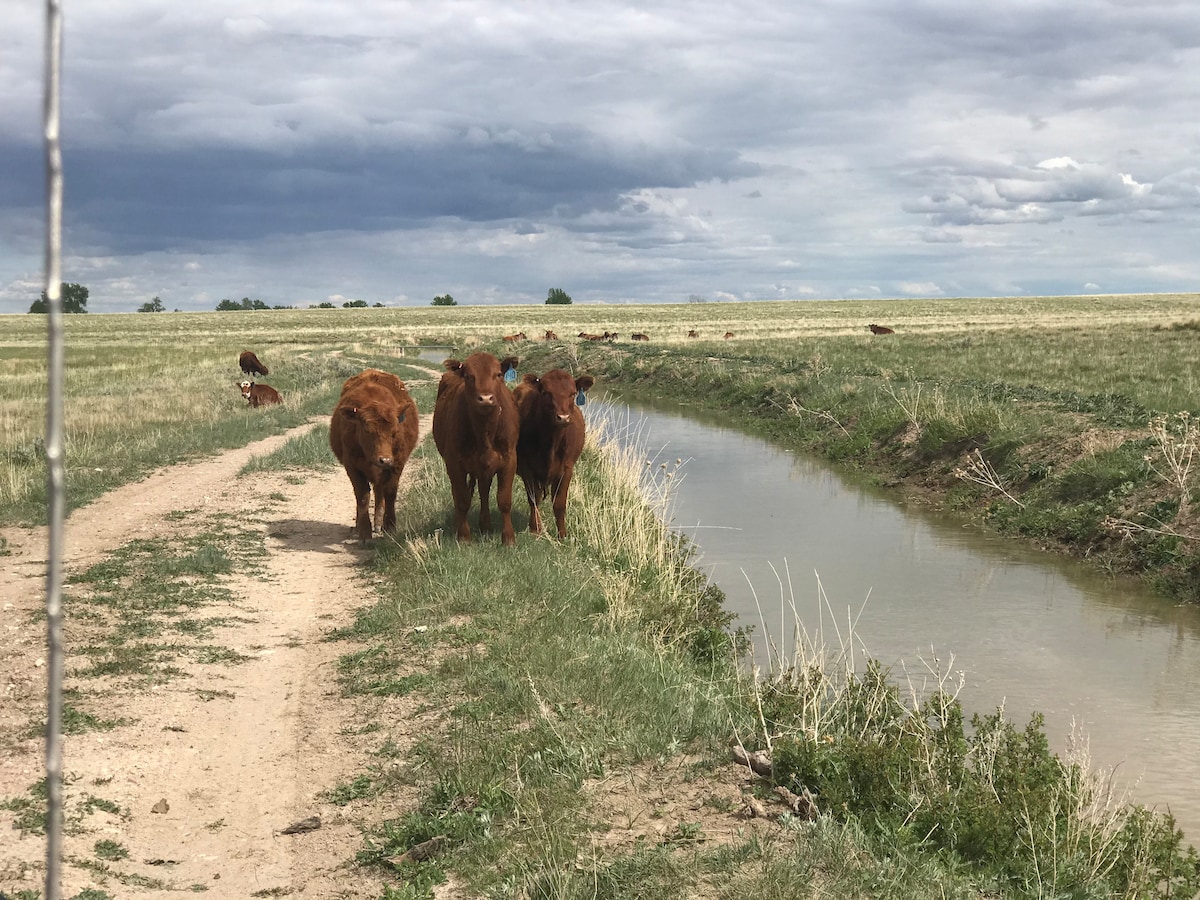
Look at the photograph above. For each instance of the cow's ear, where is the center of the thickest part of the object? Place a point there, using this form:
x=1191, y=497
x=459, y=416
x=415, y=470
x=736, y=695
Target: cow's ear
x=452, y=365
x=509, y=362
x=584, y=383
x=530, y=378
x=400, y=418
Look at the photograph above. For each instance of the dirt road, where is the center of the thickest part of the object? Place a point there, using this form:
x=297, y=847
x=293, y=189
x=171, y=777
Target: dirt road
x=207, y=770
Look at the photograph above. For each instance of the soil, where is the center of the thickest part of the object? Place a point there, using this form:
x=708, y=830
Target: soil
x=207, y=772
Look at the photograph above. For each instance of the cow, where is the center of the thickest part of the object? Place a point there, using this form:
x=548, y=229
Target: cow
x=728, y=335
x=880, y=329
x=372, y=433
x=592, y=337
x=611, y=336
x=250, y=365
x=638, y=336
x=692, y=333
x=551, y=440
x=551, y=336
x=513, y=338
x=475, y=428
x=260, y=394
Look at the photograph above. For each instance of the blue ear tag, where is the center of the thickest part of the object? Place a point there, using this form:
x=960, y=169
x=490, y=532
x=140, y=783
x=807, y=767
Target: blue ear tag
x=580, y=399
x=510, y=375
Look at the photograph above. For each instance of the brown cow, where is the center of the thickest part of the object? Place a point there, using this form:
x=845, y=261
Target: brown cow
x=513, y=338
x=475, y=429
x=260, y=394
x=692, y=333
x=728, y=335
x=591, y=337
x=250, y=365
x=638, y=336
x=551, y=336
x=372, y=433
x=880, y=329
x=552, y=432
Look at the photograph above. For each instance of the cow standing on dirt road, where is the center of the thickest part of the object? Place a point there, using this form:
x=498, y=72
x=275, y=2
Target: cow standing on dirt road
x=372, y=433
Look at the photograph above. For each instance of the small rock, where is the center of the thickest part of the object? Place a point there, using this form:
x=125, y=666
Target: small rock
x=161, y=806
x=312, y=823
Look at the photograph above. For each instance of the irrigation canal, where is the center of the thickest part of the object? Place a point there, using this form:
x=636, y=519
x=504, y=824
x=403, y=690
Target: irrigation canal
x=794, y=544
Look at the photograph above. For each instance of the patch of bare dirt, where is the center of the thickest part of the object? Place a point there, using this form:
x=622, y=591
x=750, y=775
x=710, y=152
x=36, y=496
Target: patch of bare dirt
x=211, y=768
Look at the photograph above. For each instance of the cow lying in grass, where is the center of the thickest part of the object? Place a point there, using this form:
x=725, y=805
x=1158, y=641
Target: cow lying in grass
x=260, y=394
x=475, y=430
x=372, y=433
x=551, y=439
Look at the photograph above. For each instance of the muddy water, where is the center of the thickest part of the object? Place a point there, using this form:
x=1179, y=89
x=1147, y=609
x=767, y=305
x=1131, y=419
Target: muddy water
x=789, y=541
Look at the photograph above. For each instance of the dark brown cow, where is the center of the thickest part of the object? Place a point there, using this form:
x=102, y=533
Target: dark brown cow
x=638, y=336
x=728, y=335
x=372, y=433
x=692, y=333
x=475, y=429
x=260, y=394
x=611, y=336
x=250, y=365
x=551, y=336
x=513, y=338
x=552, y=432
x=880, y=329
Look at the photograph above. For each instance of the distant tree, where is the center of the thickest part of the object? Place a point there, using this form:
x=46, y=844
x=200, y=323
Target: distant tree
x=325, y=304
x=558, y=296
x=444, y=300
x=154, y=305
x=74, y=299
x=244, y=303
x=282, y=306
x=354, y=304
x=697, y=298
x=377, y=305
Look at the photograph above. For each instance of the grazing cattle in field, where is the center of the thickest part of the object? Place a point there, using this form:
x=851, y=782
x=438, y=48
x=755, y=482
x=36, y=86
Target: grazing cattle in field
x=551, y=336
x=250, y=365
x=475, y=429
x=638, y=336
x=728, y=335
x=880, y=329
x=260, y=394
x=551, y=440
x=372, y=433
x=692, y=333
x=513, y=338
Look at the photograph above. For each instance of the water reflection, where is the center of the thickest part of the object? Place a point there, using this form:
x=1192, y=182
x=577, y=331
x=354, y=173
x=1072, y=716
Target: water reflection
x=789, y=540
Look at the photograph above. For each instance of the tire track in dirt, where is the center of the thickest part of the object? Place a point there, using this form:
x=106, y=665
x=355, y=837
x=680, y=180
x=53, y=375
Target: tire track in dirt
x=237, y=752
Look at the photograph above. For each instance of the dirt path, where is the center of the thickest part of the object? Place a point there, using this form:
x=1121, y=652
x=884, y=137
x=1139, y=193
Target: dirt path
x=209, y=769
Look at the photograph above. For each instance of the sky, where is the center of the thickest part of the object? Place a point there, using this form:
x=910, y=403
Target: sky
x=303, y=151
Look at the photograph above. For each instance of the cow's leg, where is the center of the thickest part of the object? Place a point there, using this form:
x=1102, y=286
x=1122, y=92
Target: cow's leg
x=535, y=516
x=388, y=492
x=362, y=499
x=485, y=505
x=504, y=488
x=378, y=489
x=462, y=503
x=560, y=500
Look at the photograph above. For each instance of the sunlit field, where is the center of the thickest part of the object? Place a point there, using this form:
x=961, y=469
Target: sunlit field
x=148, y=389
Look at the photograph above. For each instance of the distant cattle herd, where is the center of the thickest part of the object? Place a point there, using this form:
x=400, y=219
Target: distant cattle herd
x=484, y=431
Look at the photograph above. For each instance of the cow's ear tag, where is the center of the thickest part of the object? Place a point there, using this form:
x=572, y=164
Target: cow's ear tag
x=580, y=399
x=510, y=375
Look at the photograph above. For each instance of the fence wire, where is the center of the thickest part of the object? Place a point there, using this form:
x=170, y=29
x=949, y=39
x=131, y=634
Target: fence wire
x=55, y=467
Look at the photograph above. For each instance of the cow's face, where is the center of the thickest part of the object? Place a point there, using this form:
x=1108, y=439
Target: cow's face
x=377, y=434
x=246, y=386
x=483, y=379
x=557, y=392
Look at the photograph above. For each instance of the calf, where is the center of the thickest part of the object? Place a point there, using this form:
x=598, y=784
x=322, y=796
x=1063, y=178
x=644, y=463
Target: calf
x=728, y=335
x=250, y=365
x=552, y=432
x=880, y=329
x=591, y=337
x=692, y=333
x=513, y=338
x=260, y=394
x=638, y=336
x=372, y=433
x=551, y=336
x=475, y=429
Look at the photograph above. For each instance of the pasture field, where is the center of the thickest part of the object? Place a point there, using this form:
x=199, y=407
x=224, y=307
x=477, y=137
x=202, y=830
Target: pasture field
x=609, y=776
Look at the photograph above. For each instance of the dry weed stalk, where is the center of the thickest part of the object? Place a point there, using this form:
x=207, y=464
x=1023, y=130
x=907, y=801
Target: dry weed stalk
x=795, y=407
x=909, y=402
x=1176, y=438
x=980, y=471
